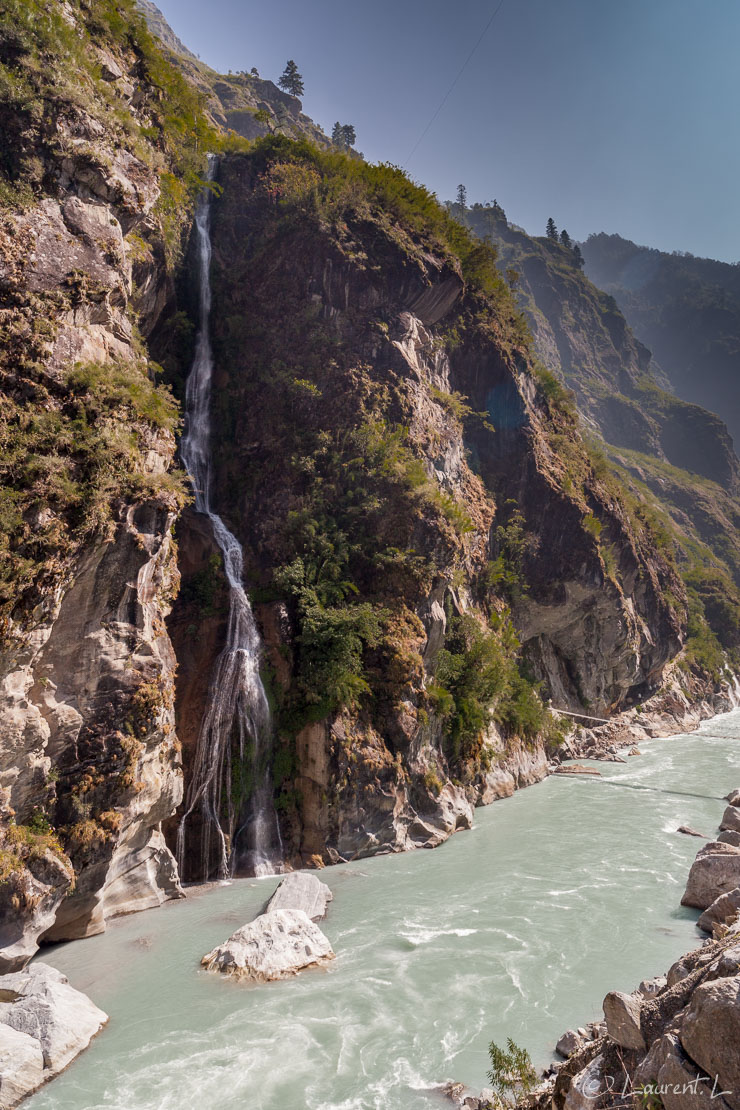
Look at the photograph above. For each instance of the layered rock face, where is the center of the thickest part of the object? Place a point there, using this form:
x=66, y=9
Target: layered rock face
x=89, y=761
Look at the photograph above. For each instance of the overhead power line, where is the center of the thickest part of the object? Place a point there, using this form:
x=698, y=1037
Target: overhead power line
x=447, y=95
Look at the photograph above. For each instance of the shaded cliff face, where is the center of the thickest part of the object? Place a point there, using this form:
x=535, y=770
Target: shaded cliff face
x=390, y=524
x=675, y=459
x=686, y=309
x=89, y=761
x=581, y=334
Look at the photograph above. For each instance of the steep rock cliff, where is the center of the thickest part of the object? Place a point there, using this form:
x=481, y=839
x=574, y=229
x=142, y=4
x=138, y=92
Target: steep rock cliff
x=89, y=761
x=675, y=459
x=396, y=471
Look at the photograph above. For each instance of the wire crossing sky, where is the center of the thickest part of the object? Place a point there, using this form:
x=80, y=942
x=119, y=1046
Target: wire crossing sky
x=608, y=115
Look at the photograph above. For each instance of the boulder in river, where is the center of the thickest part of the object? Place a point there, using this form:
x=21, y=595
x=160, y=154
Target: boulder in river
x=275, y=945
x=728, y=836
x=300, y=890
x=715, y=871
x=44, y=1024
x=733, y=798
x=688, y=831
x=622, y=1014
x=722, y=911
x=731, y=819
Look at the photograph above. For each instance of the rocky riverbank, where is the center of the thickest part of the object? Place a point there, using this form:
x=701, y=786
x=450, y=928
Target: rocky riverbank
x=674, y=1041
x=680, y=706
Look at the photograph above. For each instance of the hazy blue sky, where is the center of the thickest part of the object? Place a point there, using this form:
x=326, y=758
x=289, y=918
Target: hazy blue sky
x=609, y=115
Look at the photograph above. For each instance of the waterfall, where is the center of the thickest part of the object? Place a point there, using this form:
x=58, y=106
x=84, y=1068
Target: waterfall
x=236, y=721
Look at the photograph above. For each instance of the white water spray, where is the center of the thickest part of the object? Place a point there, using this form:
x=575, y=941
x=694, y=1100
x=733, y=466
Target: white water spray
x=236, y=722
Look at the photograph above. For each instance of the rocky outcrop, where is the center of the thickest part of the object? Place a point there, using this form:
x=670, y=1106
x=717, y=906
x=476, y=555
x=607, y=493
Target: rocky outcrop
x=244, y=103
x=715, y=871
x=89, y=760
x=44, y=1024
x=675, y=458
x=387, y=774
x=675, y=1038
x=680, y=705
x=275, y=945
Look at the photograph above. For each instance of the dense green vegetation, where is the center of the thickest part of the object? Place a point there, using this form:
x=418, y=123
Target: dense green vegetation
x=478, y=679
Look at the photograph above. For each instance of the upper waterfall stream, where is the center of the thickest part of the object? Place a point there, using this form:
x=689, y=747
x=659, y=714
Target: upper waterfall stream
x=236, y=722
x=519, y=928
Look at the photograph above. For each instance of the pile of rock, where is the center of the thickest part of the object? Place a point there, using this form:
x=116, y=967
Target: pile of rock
x=281, y=941
x=44, y=1024
x=461, y=1096
x=676, y=1039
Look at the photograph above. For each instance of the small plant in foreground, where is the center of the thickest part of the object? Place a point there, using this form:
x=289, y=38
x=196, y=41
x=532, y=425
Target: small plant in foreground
x=512, y=1074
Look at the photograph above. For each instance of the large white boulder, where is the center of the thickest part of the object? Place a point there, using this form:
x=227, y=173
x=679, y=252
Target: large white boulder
x=21, y=1066
x=301, y=890
x=42, y=1004
x=44, y=1024
x=273, y=946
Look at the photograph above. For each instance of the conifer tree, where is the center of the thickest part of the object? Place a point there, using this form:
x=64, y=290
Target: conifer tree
x=462, y=199
x=343, y=135
x=565, y=239
x=552, y=231
x=579, y=259
x=291, y=80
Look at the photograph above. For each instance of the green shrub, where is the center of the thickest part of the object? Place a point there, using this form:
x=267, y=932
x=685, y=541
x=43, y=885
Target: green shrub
x=512, y=1073
x=477, y=680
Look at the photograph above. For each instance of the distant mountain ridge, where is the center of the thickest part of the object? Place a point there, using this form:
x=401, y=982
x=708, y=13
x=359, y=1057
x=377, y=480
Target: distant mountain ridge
x=686, y=309
x=675, y=454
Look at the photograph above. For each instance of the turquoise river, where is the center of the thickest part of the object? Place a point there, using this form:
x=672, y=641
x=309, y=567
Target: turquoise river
x=517, y=928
